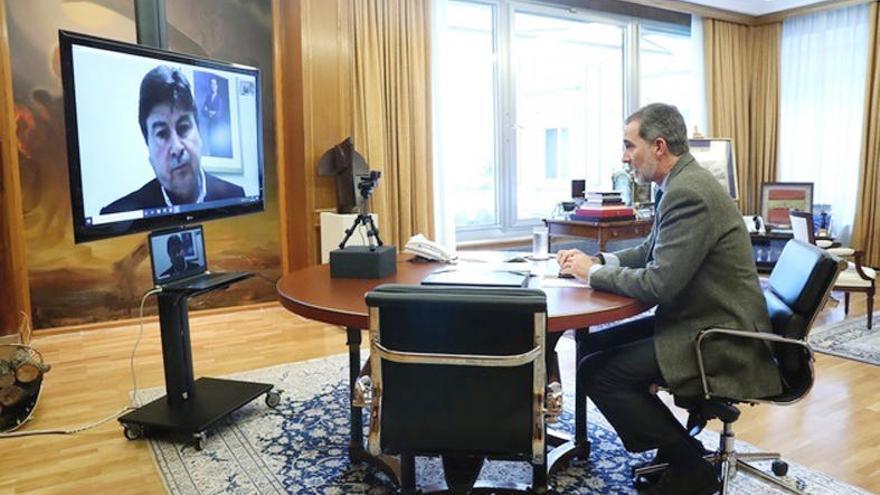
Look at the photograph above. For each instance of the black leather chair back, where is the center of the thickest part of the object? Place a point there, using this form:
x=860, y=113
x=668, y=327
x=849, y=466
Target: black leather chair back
x=799, y=283
x=429, y=409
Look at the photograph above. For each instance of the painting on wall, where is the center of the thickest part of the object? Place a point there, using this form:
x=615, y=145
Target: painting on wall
x=104, y=280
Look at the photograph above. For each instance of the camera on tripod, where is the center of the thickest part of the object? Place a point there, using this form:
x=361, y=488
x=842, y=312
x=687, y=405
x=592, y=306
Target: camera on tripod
x=355, y=183
x=366, y=184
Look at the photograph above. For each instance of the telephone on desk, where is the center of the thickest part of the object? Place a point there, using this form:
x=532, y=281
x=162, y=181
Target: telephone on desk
x=421, y=246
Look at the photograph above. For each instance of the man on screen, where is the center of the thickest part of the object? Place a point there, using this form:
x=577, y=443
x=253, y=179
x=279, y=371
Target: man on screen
x=179, y=264
x=169, y=122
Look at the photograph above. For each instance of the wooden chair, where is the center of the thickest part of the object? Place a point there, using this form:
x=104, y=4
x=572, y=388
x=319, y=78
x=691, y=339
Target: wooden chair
x=856, y=278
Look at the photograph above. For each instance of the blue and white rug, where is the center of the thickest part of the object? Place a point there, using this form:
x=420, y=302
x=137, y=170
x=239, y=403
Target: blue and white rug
x=850, y=339
x=301, y=448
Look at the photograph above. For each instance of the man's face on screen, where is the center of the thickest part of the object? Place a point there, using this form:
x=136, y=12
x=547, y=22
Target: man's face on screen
x=175, y=151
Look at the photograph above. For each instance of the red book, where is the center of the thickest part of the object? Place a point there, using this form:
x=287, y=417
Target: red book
x=604, y=211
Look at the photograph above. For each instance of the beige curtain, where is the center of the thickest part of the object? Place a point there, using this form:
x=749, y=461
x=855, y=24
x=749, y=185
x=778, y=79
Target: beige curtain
x=866, y=230
x=392, y=111
x=742, y=88
x=764, y=115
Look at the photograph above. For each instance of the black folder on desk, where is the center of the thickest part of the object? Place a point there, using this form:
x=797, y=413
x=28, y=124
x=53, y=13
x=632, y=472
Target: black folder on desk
x=478, y=278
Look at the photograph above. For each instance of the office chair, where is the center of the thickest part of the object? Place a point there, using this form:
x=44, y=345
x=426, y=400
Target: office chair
x=856, y=277
x=459, y=372
x=799, y=285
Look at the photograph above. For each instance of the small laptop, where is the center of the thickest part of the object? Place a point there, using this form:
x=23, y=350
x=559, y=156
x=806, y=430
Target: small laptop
x=178, y=261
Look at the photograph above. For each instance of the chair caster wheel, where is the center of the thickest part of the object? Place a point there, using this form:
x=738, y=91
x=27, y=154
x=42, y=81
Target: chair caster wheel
x=199, y=440
x=133, y=432
x=273, y=398
x=780, y=468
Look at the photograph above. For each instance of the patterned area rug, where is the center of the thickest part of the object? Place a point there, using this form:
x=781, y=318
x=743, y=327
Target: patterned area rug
x=850, y=339
x=300, y=448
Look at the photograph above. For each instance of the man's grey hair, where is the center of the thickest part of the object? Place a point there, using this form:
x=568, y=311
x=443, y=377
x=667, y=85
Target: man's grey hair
x=662, y=120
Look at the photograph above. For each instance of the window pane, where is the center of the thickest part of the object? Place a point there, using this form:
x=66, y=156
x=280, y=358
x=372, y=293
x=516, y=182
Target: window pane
x=569, y=108
x=468, y=120
x=666, y=72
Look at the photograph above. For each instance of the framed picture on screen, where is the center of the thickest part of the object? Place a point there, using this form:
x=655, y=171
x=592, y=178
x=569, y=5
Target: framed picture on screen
x=778, y=198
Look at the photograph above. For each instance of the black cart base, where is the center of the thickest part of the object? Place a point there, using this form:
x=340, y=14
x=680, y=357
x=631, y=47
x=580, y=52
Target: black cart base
x=212, y=400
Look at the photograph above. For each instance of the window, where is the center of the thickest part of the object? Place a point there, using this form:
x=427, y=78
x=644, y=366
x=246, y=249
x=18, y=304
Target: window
x=823, y=68
x=534, y=97
x=670, y=72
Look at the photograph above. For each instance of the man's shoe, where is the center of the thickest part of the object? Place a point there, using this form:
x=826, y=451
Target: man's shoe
x=363, y=392
x=699, y=480
x=644, y=481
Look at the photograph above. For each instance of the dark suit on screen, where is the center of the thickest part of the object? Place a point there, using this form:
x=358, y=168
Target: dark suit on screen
x=150, y=195
x=697, y=267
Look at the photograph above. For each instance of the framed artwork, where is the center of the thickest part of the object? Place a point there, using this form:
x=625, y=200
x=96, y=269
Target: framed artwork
x=716, y=155
x=778, y=198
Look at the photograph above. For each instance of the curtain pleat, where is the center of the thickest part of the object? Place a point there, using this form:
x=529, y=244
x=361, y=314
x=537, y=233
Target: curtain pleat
x=742, y=89
x=392, y=111
x=866, y=230
x=764, y=113
x=727, y=90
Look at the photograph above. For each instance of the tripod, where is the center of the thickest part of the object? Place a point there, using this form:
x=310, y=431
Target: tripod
x=367, y=220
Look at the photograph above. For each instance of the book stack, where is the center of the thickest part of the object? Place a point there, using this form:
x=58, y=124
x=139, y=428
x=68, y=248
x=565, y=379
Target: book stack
x=603, y=206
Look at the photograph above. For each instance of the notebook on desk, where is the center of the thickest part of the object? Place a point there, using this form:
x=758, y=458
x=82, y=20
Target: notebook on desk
x=178, y=261
x=478, y=278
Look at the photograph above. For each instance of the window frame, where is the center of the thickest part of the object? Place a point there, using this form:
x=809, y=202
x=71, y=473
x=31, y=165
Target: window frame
x=506, y=224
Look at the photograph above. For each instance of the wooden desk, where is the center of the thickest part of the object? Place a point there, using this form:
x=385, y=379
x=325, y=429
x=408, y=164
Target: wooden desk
x=602, y=232
x=311, y=293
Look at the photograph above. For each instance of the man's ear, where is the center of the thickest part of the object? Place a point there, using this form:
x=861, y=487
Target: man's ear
x=660, y=146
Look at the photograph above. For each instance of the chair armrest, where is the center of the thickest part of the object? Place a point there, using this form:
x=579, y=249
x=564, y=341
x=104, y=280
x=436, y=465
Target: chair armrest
x=858, y=262
x=506, y=361
x=767, y=337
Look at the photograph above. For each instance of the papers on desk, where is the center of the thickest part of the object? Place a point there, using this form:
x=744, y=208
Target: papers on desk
x=544, y=272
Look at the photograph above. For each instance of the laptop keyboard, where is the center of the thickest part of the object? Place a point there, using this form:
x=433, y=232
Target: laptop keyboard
x=206, y=280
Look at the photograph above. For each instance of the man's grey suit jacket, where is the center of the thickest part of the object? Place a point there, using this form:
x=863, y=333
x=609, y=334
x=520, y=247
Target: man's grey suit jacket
x=697, y=267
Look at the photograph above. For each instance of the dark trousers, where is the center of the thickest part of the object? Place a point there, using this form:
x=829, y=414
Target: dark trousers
x=618, y=370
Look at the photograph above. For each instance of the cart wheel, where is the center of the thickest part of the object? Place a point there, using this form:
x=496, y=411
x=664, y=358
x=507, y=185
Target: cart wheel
x=133, y=432
x=780, y=468
x=199, y=439
x=273, y=398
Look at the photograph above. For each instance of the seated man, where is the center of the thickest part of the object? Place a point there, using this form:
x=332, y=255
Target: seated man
x=697, y=267
x=169, y=123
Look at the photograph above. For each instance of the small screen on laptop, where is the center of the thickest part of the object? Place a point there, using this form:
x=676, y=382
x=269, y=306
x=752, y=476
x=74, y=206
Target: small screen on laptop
x=177, y=254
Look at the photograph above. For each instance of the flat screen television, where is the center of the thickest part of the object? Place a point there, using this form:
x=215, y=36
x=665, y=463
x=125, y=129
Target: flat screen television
x=157, y=139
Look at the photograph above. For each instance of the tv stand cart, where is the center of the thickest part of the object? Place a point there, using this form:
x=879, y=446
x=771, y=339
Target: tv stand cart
x=190, y=407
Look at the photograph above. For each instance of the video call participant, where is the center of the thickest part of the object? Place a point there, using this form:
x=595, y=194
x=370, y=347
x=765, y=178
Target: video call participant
x=168, y=119
x=697, y=267
x=176, y=251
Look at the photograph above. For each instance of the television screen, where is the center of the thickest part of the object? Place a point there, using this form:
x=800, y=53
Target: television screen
x=157, y=139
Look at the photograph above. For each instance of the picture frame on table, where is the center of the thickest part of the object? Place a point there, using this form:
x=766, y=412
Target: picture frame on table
x=778, y=198
x=717, y=156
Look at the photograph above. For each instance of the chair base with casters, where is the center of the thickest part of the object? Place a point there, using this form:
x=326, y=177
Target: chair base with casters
x=726, y=459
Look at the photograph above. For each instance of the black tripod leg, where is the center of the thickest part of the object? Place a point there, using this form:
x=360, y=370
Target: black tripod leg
x=371, y=229
x=350, y=231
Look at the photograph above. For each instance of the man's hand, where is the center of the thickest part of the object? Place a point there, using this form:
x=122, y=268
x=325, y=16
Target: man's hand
x=575, y=262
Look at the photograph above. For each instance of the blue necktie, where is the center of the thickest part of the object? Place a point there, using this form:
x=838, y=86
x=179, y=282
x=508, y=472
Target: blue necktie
x=657, y=196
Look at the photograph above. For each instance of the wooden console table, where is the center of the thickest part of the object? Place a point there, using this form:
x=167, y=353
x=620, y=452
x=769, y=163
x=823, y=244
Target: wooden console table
x=602, y=232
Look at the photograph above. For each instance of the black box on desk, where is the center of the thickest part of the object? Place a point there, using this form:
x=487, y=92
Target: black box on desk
x=361, y=262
